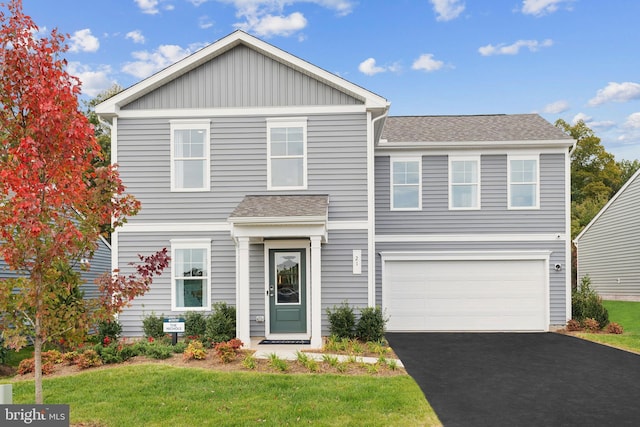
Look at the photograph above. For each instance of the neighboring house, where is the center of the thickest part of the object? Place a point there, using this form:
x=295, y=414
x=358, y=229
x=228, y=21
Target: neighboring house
x=98, y=265
x=608, y=247
x=285, y=190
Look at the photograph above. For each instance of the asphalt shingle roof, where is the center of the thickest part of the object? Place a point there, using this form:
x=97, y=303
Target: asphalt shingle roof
x=500, y=127
x=280, y=206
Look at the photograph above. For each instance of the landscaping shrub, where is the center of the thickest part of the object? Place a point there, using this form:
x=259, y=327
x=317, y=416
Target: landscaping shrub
x=370, y=326
x=109, y=331
x=591, y=325
x=229, y=350
x=27, y=366
x=585, y=303
x=574, y=325
x=4, y=351
x=88, y=359
x=111, y=354
x=342, y=321
x=194, y=351
x=221, y=324
x=158, y=351
x=614, y=328
x=152, y=326
x=195, y=324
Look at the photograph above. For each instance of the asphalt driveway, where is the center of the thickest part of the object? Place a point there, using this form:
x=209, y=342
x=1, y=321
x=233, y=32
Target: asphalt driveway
x=545, y=379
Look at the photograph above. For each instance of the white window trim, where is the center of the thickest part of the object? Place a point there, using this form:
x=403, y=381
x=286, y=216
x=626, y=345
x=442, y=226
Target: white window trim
x=191, y=244
x=190, y=125
x=478, y=193
x=287, y=122
x=537, y=200
x=392, y=183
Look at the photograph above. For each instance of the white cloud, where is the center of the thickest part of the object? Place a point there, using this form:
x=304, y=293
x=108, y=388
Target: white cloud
x=616, y=92
x=541, y=7
x=593, y=124
x=556, y=107
x=272, y=25
x=633, y=121
x=84, y=41
x=148, y=6
x=204, y=22
x=197, y=3
x=136, y=36
x=369, y=67
x=514, y=49
x=426, y=63
x=581, y=116
x=93, y=81
x=148, y=63
x=446, y=10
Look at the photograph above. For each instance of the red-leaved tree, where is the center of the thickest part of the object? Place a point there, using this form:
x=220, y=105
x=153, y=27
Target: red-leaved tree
x=53, y=196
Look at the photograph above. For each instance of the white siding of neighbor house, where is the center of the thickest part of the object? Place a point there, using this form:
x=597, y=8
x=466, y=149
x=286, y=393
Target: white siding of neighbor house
x=609, y=250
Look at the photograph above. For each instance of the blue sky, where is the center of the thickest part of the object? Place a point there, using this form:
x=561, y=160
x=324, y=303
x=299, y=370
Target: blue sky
x=566, y=59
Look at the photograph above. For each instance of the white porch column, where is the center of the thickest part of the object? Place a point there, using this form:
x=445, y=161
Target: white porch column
x=242, y=293
x=316, y=293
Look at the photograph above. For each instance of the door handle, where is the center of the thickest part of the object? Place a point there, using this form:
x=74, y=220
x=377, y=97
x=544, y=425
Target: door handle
x=270, y=291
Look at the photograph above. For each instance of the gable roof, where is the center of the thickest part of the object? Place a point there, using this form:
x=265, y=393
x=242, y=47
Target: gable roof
x=470, y=129
x=606, y=207
x=110, y=107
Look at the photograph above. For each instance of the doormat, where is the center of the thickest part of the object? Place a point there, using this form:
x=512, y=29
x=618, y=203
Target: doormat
x=298, y=342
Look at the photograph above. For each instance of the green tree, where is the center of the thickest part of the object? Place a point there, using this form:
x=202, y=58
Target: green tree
x=101, y=130
x=627, y=168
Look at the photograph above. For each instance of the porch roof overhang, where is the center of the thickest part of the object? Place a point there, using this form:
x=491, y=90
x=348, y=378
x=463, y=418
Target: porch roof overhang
x=262, y=217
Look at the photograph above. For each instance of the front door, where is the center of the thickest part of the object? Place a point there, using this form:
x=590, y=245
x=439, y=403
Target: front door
x=287, y=291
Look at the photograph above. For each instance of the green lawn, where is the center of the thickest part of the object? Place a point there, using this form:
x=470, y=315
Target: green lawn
x=627, y=314
x=159, y=395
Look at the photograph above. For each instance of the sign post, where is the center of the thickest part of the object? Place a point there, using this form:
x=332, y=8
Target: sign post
x=173, y=326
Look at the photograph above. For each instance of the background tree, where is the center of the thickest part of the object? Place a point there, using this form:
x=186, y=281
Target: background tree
x=55, y=194
x=102, y=131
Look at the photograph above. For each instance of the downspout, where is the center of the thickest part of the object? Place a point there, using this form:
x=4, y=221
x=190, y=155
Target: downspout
x=371, y=264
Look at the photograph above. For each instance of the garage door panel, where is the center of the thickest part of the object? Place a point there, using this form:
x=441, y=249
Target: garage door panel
x=456, y=295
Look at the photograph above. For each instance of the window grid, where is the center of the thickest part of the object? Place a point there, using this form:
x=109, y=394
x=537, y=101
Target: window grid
x=406, y=184
x=464, y=184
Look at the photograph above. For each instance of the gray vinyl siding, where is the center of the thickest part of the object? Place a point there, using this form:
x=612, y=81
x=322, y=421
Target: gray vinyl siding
x=241, y=77
x=610, y=249
x=557, y=279
x=336, y=165
x=158, y=299
x=493, y=215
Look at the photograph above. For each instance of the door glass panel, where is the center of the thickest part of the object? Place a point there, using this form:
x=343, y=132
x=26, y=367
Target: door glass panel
x=287, y=277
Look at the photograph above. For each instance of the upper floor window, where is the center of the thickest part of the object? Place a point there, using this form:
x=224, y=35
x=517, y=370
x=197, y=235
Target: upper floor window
x=524, y=182
x=190, y=274
x=190, y=155
x=406, y=184
x=287, y=154
x=464, y=182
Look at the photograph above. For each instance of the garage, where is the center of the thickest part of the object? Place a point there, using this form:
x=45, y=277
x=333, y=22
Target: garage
x=466, y=291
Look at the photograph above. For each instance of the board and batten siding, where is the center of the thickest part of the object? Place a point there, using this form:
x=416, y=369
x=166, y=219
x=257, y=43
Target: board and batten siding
x=557, y=279
x=241, y=77
x=609, y=251
x=493, y=215
x=336, y=165
x=158, y=299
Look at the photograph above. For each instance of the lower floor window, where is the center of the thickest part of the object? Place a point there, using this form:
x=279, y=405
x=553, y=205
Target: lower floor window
x=191, y=279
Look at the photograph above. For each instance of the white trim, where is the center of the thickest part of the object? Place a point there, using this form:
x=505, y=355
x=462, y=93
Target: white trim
x=191, y=244
x=465, y=158
x=519, y=157
x=204, y=125
x=605, y=207
x=288, y=244
x=560, y=144
x=287, y=122
x=196, y=113
x=392, y=184
x=463, y=255
x=169, y=227
x=115, y=249
x=243, y=292
x=347, y=225
x=568, y=270
x=433, y=238
x=114, y=141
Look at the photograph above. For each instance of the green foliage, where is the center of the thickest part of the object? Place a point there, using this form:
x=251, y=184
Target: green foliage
x=4, y=351
x=585, y=303
x=157, y=350
x=111, y=354
x=278, y=363
x=110, y=329
x=371, y=324
x=342, y=321
x=221, y=324
x=152, y=326
x=250, y=362
x=195, y=324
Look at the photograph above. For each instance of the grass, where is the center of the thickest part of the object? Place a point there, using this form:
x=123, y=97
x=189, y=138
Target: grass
x=159, y=395
x=627, y=314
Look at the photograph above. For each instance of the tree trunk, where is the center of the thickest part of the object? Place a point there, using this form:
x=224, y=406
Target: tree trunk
x=37, y=354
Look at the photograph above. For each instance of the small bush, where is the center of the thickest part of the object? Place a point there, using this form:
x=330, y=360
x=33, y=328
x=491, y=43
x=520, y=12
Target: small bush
x=194, y=351
x=4, y=351
x=614, y=328
x=221, y=324
x=249, y=362
x=574, y=325
x=277, y=363
x=88, y=359
x=109, y=331
x=152, y=326
x=370, y=326
x=111, y=354
x=195, y=324
x=342, y=321
x=180, y=347
x=158, y=351
x=70, y=357
x=591, y=325
x=26, y=366
x=228, y=351
x=585, y=303
x=52, y=356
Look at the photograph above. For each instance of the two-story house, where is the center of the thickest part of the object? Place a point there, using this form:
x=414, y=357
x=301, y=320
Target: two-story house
x=285, y=190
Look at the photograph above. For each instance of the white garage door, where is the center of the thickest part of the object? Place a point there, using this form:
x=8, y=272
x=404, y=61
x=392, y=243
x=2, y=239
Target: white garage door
x=465, y=295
